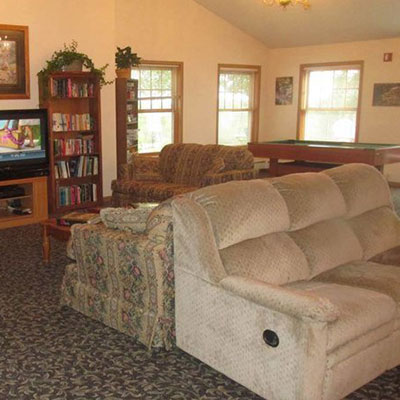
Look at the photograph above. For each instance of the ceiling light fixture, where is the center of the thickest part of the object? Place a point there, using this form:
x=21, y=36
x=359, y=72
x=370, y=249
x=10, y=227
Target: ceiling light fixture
x=284, y=3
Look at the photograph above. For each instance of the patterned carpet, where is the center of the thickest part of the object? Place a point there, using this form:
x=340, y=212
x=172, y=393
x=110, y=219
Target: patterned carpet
x=48, y=353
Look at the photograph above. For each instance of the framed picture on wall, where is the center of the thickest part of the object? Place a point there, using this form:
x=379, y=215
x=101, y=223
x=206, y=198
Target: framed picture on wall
x=14, y=62
x=386, y=95
x=284, y=91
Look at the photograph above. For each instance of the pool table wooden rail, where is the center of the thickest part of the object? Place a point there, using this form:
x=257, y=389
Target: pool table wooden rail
x=333, y=155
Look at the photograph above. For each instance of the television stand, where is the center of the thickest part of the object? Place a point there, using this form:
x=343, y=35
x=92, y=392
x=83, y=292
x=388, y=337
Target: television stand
x=31, y=196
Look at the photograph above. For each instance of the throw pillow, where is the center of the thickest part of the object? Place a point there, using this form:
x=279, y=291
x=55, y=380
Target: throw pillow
x=126, y=219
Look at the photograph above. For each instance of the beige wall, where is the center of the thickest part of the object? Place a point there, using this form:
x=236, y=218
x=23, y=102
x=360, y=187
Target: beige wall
x=182, y=30
x=55, y=22
x=172, y=30
x=377, y=124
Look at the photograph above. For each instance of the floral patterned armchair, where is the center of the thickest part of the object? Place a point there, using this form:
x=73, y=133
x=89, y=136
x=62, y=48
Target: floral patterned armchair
x=124, y=278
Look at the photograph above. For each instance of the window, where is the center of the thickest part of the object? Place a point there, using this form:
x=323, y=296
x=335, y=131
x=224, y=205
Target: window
x=330, y=101
x=238, y=98
x=160, y=104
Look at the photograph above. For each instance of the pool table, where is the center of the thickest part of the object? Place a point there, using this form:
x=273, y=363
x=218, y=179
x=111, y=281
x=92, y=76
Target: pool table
x=309, y=155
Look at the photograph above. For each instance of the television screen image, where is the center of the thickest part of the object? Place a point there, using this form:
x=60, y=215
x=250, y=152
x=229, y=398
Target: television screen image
x=23, y=143
x=21, y=139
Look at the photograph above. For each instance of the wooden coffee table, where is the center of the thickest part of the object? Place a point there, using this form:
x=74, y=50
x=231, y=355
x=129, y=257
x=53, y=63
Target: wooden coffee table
x=50, y=228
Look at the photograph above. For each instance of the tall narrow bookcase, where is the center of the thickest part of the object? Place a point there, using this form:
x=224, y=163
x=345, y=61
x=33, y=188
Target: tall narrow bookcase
x=73, y=103
x=126, y=96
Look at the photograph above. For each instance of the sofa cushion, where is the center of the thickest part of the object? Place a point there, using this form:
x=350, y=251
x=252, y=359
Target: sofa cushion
x=241, y=210
x=363, y=187
x=327, y=244
x=145, y=168
x=187, y=163
x=195, y=161
x=235, y=157
x=273, y=258
x=169, y=156
x=377, y=230
x=367, y=275
x=310, y=198
x=361, y=310
x=391, y=257
x=150, y=190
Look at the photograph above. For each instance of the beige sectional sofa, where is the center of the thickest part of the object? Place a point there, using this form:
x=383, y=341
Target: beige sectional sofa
x=291, y=286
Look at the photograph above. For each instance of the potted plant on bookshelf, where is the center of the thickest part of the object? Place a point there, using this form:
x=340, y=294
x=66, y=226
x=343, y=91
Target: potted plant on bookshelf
x=125, y=60
x=69, y=59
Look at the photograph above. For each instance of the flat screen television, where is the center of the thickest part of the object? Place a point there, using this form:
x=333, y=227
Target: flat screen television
x=23, y=143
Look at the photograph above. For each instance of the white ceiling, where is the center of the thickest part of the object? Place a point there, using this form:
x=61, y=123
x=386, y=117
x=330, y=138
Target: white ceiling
x=328, y=21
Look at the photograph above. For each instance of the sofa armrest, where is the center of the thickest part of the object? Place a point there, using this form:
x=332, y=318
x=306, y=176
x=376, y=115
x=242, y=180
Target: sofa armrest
x=226, y=176
x=143, y=168
x=125, y=171
x=293, y=302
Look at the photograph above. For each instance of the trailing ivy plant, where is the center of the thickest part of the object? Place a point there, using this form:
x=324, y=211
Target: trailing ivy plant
x=124, y=58
x=68, y=55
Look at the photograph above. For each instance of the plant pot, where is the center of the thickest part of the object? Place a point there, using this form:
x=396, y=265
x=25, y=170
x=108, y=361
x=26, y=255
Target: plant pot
x=74, y=66
x=123, y=73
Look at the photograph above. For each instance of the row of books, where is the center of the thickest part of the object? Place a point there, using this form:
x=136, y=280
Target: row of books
x=131, y=90
x=70, y=147
x=76, y=167
x=132, y=137
x=71, y=122
x=131, y=118
x=69, y=88
x=131, y=108
x=77, y=194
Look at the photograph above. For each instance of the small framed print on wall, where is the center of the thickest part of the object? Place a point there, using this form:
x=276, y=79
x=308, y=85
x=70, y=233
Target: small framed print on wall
x=386, y=94
x=284, y=91
x=14, y=62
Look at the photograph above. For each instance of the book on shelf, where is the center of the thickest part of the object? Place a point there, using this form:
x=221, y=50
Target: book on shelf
x=69, y=88
x=71, y=122
x=77, y=194
x=131, y=118
x=77, y=217
x=77, y=167
x=71, y=147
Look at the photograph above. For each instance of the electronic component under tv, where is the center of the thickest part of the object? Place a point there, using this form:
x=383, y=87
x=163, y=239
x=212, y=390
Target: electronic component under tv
x=23, y=143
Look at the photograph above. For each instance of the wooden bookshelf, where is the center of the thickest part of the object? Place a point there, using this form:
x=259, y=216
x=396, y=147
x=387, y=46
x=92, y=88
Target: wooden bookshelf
x=126, y=96
x=34, y=198
x=73, y=103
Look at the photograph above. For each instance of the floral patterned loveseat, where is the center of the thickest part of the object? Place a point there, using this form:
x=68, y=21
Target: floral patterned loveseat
x=180, y=168
x=125, y=279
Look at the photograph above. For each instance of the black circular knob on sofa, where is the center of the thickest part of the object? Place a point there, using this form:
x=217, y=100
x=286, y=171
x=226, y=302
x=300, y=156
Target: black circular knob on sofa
x=271, y=338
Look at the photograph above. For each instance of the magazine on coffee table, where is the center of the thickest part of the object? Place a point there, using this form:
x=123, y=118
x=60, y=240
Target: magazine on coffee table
x=77, y=217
